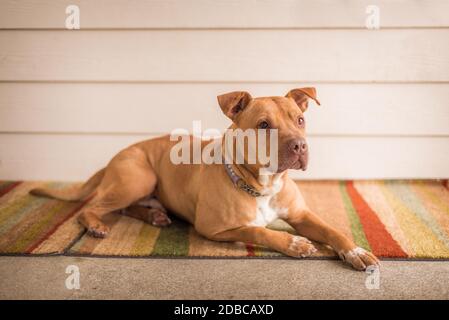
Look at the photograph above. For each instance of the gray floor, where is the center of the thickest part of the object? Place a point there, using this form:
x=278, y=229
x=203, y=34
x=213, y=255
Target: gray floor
x=119, y=278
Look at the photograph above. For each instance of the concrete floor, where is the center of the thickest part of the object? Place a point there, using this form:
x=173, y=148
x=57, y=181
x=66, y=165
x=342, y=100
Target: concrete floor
x=120, y=278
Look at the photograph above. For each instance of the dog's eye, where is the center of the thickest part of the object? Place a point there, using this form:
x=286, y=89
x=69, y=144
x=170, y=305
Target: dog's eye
x=263, y=125
x=301, y=121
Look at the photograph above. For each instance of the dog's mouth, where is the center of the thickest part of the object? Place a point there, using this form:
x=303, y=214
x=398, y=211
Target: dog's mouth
x=294, y=162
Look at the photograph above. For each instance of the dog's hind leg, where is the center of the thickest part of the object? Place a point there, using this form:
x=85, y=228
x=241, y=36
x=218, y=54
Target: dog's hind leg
x=127, y=179
x=90, y=217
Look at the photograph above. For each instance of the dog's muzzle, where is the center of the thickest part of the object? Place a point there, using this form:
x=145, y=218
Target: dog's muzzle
x=296, y=155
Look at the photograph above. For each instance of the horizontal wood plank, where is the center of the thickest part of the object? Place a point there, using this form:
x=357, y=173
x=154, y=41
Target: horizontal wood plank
x=347, y=109
x=233, y=55
x=222, y=13
x=76, y=157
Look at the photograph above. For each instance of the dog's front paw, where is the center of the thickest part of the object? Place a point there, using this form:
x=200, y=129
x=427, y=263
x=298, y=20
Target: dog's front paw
x=359, y=258
x=300, y=247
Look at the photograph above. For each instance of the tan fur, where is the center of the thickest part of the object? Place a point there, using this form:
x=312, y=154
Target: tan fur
x=204, y=194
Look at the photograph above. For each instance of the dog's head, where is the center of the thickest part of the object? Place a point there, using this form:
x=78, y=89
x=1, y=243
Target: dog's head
x=286, y=114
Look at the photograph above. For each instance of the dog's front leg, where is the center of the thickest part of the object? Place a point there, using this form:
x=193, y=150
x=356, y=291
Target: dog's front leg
x=291, y=245
x=309, y=225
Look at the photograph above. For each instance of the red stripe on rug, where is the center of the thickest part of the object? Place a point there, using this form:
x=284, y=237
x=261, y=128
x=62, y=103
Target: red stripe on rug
x=446, y=183
x=9, y=188
x=250, y=250
x=55, y=227
x=380, y=240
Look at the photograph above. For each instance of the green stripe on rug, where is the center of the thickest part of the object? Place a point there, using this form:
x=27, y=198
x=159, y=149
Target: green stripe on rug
x=19, y=209
x=354, y=220
x=173, y=240
x=36, y=230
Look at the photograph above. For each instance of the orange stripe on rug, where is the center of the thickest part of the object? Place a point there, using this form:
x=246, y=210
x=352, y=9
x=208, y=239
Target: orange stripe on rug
x=372, y=194
x=333, y=210
x=381, y=242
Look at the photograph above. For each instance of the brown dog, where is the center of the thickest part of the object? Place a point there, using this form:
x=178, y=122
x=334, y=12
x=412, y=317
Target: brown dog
x=223, y=202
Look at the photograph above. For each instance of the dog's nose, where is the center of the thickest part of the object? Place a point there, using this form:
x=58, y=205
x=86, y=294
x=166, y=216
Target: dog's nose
x=298, y=146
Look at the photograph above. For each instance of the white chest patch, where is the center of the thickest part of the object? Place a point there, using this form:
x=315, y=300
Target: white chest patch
x=266, y=210
x=265, y=214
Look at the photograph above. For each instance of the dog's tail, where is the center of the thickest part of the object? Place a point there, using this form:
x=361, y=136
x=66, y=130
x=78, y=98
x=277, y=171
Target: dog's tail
x=74, y=193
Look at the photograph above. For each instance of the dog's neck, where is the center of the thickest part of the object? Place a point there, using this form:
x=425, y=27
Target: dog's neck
x=251, y=174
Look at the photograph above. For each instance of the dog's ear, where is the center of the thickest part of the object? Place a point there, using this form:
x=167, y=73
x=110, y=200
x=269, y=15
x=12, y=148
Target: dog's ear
x=301, y=96
x=233, y=103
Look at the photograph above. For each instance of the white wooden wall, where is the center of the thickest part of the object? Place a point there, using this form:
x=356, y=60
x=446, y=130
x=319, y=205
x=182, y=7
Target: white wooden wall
x=70, y=99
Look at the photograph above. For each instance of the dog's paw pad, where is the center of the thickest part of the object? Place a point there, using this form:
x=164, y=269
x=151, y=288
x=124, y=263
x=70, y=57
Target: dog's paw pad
x=301, y=247
x=359, y=258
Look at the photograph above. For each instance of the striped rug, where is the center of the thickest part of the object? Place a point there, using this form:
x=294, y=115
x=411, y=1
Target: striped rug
x=393, y=219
